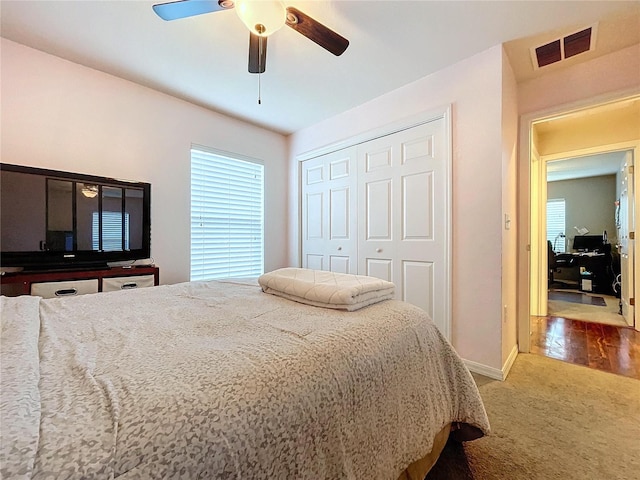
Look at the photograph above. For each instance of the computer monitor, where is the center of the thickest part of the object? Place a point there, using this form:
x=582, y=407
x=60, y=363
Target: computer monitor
x=588, y=243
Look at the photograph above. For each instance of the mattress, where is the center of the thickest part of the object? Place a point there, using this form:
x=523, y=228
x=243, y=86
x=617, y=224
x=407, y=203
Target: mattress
x=220, y=380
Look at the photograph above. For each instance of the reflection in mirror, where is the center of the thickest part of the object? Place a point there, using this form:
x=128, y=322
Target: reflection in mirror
x=24, y=213
x=59, y=216
x=134, y=198
x=87, y=206
x=113, y=221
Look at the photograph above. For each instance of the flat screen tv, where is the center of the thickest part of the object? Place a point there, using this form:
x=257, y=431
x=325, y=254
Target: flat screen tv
x=51, y=219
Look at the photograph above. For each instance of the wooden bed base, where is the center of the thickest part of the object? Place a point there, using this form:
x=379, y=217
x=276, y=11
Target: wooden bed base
x=419, y=469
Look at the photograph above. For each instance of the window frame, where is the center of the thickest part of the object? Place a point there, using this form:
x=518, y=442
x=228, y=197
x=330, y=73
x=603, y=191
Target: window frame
x=234, y=260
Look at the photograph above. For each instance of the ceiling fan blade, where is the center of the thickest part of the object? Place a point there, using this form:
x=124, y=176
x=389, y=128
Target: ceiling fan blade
x=257, y=53
x=189, y=8
x=314, y=30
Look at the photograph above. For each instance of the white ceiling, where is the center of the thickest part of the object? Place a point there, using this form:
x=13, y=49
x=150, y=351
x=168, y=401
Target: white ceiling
x=587, y=166
x=203, y=59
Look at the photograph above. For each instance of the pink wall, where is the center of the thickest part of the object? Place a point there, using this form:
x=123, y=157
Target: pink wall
x=474, y=88
x=60, y=115
x=510, y=208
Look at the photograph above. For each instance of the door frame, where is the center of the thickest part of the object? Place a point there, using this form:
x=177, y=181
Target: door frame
x=539, y=260
x=528, y=260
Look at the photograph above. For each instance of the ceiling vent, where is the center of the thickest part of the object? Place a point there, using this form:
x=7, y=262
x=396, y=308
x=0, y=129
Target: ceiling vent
x=564, y=47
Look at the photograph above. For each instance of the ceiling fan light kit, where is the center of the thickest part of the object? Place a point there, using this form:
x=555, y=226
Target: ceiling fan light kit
x=262, y=17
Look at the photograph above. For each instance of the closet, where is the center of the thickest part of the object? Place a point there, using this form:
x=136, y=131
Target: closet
x=329, y=212
x=381, y=207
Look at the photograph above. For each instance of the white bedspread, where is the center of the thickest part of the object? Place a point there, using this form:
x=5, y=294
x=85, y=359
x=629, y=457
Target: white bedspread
x=218, y=380
x=19, y=394
x=326, y=289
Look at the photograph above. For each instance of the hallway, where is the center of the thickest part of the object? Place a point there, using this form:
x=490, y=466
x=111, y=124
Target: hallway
x=588, y=307
x=599, y=346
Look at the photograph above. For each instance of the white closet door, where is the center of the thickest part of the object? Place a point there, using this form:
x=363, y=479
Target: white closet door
x=328, y=212
x=403, y=191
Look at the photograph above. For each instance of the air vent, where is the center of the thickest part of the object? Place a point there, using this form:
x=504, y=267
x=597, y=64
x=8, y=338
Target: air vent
x=563, y=48
x=579, y=42
x=549, y=53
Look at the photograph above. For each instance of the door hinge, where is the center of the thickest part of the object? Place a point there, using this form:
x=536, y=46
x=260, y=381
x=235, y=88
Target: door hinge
x=632, y=301
x=632, y=235
x=631, y=169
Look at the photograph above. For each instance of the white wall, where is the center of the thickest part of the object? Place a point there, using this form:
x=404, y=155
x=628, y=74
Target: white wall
x=60, y=115
x=474, y=88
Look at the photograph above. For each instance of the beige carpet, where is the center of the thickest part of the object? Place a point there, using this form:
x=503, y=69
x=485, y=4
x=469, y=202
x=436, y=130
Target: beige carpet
x=589, y=313
x=552, y=420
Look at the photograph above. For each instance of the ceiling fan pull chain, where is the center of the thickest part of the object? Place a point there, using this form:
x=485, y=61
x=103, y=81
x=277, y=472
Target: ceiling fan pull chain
x=261, y=62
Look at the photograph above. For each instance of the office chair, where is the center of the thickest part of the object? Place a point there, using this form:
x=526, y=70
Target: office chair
x=551, y=257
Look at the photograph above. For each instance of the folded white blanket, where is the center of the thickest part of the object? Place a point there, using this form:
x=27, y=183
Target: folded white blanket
x=326, y=289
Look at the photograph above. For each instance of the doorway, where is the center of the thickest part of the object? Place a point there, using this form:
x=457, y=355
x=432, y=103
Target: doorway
x=580, y=132
x=585, y=230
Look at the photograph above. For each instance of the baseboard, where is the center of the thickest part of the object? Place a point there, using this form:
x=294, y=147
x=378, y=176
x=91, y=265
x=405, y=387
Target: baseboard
x=509, y=363
x=492, y=372
x=482, y=369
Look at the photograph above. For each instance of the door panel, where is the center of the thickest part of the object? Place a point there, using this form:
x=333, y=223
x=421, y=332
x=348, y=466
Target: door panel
x=339, y=213
x=340, y=264
x=417, y=206
x=314, y=174
x=314, y=262
x=376, y=160
x=328, y=212
x=314, y=210
x=419, y=149
x=340, y=168
x=378, y=210
x=418, y=280
x=380, y=268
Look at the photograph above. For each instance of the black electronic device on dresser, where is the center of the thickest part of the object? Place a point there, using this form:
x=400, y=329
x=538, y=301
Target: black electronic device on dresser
x=54, y=220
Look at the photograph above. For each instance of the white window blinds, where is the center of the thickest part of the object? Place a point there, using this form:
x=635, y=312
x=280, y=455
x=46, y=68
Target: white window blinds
x=556, y=224
x=226, y=217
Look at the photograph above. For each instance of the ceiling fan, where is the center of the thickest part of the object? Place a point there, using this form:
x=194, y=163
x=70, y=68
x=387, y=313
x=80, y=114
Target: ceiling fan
x=262, y=18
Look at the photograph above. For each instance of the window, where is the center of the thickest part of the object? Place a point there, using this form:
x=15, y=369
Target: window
x=556, y=224
x=226, y=217
x=111, y=231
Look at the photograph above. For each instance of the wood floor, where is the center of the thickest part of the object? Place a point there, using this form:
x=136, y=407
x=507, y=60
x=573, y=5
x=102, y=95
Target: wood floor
x=603, y=347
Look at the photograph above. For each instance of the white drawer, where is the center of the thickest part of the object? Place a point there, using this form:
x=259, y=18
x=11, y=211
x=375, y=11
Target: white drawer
x=111, y=284
x=68, y=288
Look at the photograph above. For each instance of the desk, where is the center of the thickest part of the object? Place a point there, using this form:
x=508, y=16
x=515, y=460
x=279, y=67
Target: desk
x=603, y=268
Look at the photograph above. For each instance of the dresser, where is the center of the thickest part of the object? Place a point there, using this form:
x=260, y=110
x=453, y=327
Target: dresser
x=57, y=283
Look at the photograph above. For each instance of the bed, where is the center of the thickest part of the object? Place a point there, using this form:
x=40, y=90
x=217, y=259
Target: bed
x=222, y=380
